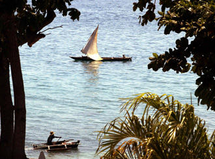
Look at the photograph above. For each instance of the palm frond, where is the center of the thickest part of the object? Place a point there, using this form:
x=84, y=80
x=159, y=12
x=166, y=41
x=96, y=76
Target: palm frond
x=167, y=129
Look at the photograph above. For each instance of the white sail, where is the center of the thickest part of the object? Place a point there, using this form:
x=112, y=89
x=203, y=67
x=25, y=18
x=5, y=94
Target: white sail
x=91, y=47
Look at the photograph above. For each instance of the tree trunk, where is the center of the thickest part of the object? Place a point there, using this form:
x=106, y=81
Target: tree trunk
x=18, y=88
x=6, y=109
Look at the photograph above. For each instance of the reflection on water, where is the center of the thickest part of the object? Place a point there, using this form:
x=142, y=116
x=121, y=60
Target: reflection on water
x=92, y=68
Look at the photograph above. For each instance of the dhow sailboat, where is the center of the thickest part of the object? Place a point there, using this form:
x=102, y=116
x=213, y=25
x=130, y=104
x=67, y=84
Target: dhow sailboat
x=91, y=51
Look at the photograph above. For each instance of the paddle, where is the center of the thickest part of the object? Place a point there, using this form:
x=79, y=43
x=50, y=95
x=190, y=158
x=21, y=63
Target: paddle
x=58, y=139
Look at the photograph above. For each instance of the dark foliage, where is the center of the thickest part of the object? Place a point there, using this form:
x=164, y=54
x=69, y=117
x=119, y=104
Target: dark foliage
x=197, y=20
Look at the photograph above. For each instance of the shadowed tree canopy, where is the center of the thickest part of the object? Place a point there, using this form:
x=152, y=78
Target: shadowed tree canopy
x=195, y=50
x=20, y=23
x=31, y=18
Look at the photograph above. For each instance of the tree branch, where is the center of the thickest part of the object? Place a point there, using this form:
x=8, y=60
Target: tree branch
x=52, y=28
x=34, y=36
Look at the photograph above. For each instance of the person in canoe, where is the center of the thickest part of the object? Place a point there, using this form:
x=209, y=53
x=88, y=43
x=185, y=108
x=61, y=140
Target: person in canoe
x=51, y=137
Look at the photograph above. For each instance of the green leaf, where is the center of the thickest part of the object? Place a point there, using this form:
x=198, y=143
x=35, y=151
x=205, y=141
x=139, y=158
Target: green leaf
x=167, y=29
x=155, y=55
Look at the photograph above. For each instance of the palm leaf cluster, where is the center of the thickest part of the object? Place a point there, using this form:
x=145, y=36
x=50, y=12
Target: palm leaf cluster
x=166, y=129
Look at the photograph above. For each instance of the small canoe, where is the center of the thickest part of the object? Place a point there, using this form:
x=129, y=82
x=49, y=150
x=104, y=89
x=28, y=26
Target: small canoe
x=57, y=146
x=85, y=58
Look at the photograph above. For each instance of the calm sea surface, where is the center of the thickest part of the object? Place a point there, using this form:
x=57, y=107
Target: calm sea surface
x=76, y=99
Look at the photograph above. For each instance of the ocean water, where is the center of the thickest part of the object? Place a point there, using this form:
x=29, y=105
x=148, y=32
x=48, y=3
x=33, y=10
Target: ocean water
x=77, y=99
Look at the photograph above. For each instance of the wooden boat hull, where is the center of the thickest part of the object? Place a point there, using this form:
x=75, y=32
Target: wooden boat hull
x=85, y=58
x=58, y=146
